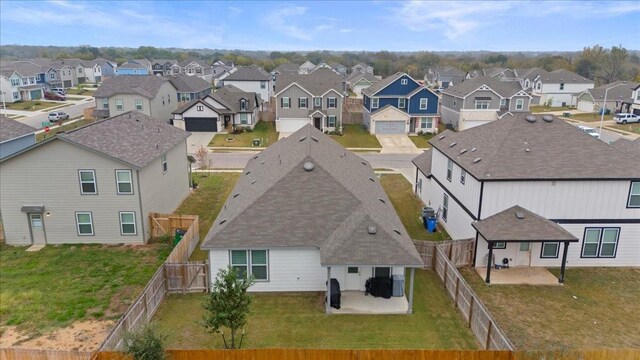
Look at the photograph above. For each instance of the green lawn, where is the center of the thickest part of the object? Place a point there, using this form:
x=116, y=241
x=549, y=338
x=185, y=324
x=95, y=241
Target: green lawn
x=65, y=127
x=542, y=108
x=409, y=208
x=634, y=128
x=74, y=98
x=298, y=320
x=79, y=91
x=595, y=308
x=263, y=130
x=590, y=117
x=354, y=136
x=33, y=105
x=52, y=288
x=206, y=202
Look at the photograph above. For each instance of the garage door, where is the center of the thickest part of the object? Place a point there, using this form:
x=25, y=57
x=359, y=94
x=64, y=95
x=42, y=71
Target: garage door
x=201, y=124
x=585, y=106
x=390, y=127
x=291, y=125
x=67, y=84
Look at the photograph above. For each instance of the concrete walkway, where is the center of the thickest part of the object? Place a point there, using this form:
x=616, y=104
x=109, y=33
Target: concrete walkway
x=397, y=144
x=197, y=139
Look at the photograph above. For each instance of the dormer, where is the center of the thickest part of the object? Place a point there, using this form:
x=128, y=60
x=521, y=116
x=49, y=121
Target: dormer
x=243, y=104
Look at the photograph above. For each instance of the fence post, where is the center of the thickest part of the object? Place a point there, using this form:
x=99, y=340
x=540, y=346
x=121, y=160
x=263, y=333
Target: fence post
x=455, y=298
x=473, y=300
x=146, y=311
x=184, y=278
x=488, y=342
x=434, y=256
x=446, y=266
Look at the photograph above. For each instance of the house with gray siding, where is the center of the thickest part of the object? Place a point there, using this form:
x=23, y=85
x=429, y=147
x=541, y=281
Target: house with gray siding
x=102, y=181
x=14, y=136
x=251, y=79
x=190, y=87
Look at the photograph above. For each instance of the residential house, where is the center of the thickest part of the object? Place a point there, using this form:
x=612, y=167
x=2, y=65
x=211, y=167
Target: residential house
x=480, y=100
x=619, y=92
x=196, y=68
x=399, y=104
x=131, y=68
x=221, y=67
x=251, y=79
x=339, y=68
x=337, y=223
x=558, y=87
x=144, y=62
x=21, y=81
x=154, y=96
x=315, y=98
x=359, y=81
x=306, y=67
x=14, y=136
x=501, y=74
x=93, y=70
x=632, y=105
x=162, y=66
x=443, y=77
x=108, y=68
x=190, y=87
x=286, y=68
x=362, y=68
x=546, y=168
x=102, y=180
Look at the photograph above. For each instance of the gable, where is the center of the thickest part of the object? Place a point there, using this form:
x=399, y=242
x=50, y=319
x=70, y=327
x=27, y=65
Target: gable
x=483, y=88
x=292, y=88
x=390, y=113
x=397, y=88
x=215, y=103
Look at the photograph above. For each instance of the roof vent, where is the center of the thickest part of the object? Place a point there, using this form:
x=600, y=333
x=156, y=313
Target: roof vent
x=452, y=144
x=255, y=157
x=382, y=200
x=308, y=166
x=463, y=151
x=157, y=147
x=314, y=138
x=519, y=215
x=441, y=137
x=547, y=118
x=397, y=231
x=476, y=160
x=303, y=138
x=364, y=163
x=530, y=118
x=474, y=149
x=371, y=179
x=253, y=181
x=372, y=230
x=248, y=172
x=222, y=222
x=262, y=162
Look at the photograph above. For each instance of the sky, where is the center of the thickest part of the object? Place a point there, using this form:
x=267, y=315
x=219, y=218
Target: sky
x=325, y=25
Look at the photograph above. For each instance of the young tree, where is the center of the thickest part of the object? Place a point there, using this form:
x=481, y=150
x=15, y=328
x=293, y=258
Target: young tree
x=145, y=344
x=202, y=155
x=228, y=305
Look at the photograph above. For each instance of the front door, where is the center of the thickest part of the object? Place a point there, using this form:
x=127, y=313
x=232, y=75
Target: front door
x=36, y=224
x=523, y=257
x=317, y=122
x=353, y=281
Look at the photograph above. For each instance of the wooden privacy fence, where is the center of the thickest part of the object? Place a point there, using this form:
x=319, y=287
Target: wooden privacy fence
x=459, y=251
x=41, y=354
x=167, y=224
x=187, y=278
x=467, y=302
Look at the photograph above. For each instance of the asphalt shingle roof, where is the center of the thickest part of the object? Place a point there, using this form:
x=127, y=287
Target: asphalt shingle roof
x=230, y=97
x=249, y=73
x=631, y=148
x=146, y=86
x=11, y=129
x=317, y=82
x=505, y=88
x=617, y=93
x=277, y=203
x=423, y=162
x=287, y=68
x=564, y=76
x=189, y=84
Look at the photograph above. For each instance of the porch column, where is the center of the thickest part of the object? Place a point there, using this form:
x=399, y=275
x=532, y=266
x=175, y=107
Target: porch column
x=564, y=262
x=488, y=278
x=410, y=310
x=328, y=304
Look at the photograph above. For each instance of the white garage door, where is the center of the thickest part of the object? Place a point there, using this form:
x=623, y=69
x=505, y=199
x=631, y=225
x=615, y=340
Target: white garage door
x=291, y=125
x=390, y=127
x=585, y=106
x=468, y=124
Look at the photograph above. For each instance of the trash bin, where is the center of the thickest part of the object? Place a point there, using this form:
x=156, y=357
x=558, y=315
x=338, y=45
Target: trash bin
x=432, y=223
x=256, y=142
x=566, y=114
x=397, y=285
x=179, y=234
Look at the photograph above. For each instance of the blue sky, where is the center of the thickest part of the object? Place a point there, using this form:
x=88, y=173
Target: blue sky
x=333, y=25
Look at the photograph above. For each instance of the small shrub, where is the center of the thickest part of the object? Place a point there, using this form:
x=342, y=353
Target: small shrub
x=37, y=103
x=145, y=344
x=248, y=129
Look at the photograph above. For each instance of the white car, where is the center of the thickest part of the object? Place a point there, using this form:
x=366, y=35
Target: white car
x=57, y=116
x=624, y=118
x=590, y=131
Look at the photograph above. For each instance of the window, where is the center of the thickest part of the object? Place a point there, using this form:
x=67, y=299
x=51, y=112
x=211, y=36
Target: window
x=562, y=86
x=16, y=95
x=375, y=102
x=317, y=101
x=538, y=85
x=482, y=104
x=184, y=97
x=353, y=270
x=454, y=103
x=251, y=262
x=550, y=250
x=52, y=75
x=426, y=123
x=285, y=103
x=138, y=104
x=381, y=272
x=88, y=182
x=243, y=118
x=124, y=182
x=600, y=242
x=105, y=103
x=404, y=81
x=163, y=160
x=500, y=245
x=302, y=103
x=119, y=104
x=463, y=176
x=634, y=195
x=127, y=223
x=503, y=102
x=331, y=103
x=402, y=102
x=199, y=108
x=331, y=121
x=445, y=207
x=84, y=223
x=638, y=95
x=243, y=104
x=519, y=104
x=526, y=83
x=15, y=82
x=263, y=84
x=424, y=102
x=449, y=169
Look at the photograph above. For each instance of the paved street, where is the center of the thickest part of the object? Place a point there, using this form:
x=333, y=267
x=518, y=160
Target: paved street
x=73, y=110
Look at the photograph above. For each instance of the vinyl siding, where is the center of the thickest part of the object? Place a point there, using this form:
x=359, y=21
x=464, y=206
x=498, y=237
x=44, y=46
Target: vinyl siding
x=129, y=102
x=450, y=116
x=458, y=223
x=514, y=100
x=413, y=103
x=470, y=102
x=162, y=111
x=396, y=87
x=16, y=144
x=252, y=86
x=469, y=193
x=294, y=93
x=337, y=111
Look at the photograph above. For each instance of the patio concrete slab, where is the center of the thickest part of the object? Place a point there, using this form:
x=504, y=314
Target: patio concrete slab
x=34, y=248
x=197, y=139
x=356, y=302
x=519, y=276
x=397, y=144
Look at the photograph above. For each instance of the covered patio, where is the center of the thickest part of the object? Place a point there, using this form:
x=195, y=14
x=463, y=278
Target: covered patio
x=523, y=275
x=356, y=302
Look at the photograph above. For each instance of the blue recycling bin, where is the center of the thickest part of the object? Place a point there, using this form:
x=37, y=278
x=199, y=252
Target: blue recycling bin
x=432, y=223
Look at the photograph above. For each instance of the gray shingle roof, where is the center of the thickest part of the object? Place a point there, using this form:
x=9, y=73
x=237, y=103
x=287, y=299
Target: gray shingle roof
x=277, y=203
x=146, y=86
x=423, y=162
x=617, y=93
x=631, y=148
x=133, y=137
x=382, y=83
x=132, y=66
x=355, y=77
x=513, y=148
x=317, y=82
x=507, y=226
x=505, y=88
x=249, y=73
x=190, y=104
x=189, y=84
x=230, y=97
x=564, y=76
x=287, y=68
x=11, y=129
x=24, y=68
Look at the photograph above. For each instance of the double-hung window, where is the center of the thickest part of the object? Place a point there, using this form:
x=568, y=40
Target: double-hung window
x=119, y=104
x=84, y=223
x=285, y=102
x=426, y=123
x=124, y=182
x=263, y=84
x=163, y=160
x=375, y=102
x=302, y=103
x=424, y=102
x=105, y=103
x=634, y=195
x=331, y=121
x=244, y=118
x=519, y=104
x=317, y=101
x=88, y=182
x=600, y=242
x=251, y=262
x=449, y=169
x=138, y=104
x=562, y=86
x=445, y=207
x=127, y=223
x=503, y=102
x=482, y=104
x=500, y=245
x=463, y=176
x=402, y=103
x=331, y=103
x=199, y=107
x=550, y=250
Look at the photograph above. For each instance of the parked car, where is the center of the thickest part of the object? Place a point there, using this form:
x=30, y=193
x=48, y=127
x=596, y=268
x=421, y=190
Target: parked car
x=590, y=131
x=624, y=118
x=58, y=116
x=49, y=95
x=59, y=91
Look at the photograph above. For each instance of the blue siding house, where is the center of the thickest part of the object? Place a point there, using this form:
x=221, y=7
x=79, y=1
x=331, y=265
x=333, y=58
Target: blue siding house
x=131, y=68
x=400, y=105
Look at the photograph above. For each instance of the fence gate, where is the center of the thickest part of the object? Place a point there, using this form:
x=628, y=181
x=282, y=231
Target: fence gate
x=187, y=278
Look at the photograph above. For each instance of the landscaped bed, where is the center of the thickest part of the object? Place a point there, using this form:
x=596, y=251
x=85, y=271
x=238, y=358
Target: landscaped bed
x=298, y=320
x=595, y=308
x=409, y=208
x=354, y=136
x=265, y=131
x=33, y=105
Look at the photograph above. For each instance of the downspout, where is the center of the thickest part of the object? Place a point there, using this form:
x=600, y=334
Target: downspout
x=142, y=216
x=475, y=250
x=416, y=183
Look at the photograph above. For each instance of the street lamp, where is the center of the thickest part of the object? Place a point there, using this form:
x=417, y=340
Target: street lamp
x=604, y=106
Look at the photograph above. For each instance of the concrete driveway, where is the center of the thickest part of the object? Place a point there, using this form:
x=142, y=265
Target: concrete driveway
x=198, y=139
x=397, y=144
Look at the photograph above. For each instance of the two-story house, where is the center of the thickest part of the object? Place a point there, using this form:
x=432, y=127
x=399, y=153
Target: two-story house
x=162, y=67
x=97, y=190
x=633, y=105
x=251, y=79
x=21, y=80
x=108, y=68
x=154, y=96
x=443, y=76
x=399, y=104
x=550, y=169
x=480, y=100
x=14, y=136
x=190, y=87
x=315, y=98
x=93, y=70
x=215, y=112
x=362, y=68
x=558, y=88
x=197, y=68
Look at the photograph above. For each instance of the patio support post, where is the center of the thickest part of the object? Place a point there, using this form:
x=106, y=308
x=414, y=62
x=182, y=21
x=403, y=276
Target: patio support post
x=564, y=262
x=328, y=304
x=488, y=278
x=410, y=310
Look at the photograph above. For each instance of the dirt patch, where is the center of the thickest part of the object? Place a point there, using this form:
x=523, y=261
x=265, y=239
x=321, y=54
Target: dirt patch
x=121, y=301
x=79, y=336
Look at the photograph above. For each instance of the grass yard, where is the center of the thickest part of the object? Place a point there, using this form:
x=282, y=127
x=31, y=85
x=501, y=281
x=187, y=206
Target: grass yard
x=603, y=314
x=79, y=91
x=263, y=130
x=633, y=128
x=590, y=117
x=542, y=108
x=297, y=320
x=422, y=141
x=206, y=202
x=65, y=127
x=74, y=98
x=52, y=288
x=409, y=208
x=356, y=137
x=33, y=105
